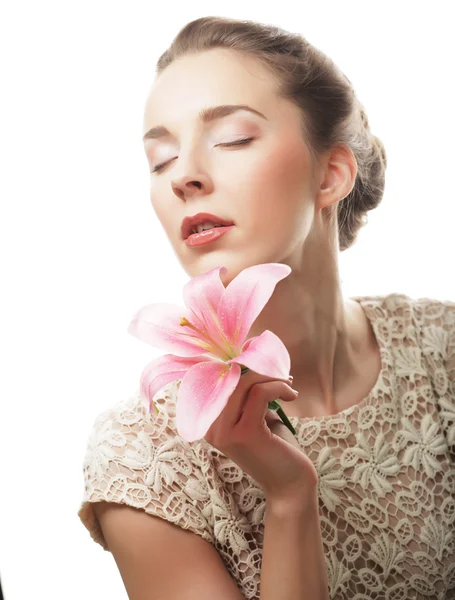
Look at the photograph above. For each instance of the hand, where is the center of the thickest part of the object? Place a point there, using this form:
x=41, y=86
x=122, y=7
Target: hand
x=256, y=439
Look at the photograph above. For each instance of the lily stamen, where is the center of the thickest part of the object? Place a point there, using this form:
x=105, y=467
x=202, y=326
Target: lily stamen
x=185, y=323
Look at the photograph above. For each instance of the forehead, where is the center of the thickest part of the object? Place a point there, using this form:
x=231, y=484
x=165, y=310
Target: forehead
x=205, y=79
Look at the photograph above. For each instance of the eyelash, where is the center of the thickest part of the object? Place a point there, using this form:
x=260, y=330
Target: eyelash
x=243, y=142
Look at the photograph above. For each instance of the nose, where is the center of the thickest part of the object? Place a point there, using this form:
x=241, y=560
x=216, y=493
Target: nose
x=190, y=179
x=186, y=186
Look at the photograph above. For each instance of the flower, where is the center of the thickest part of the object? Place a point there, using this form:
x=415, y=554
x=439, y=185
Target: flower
x=209, y=346
x=377, y=464
x=426, y=445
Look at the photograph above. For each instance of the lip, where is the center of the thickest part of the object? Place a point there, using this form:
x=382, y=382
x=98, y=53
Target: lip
x=207, y=237
x=189, y=222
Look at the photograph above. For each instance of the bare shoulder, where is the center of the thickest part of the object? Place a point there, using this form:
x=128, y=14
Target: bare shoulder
x=158, y=560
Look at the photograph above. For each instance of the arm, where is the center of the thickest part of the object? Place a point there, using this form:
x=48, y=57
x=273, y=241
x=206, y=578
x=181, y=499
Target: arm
x=293, y=566
x=158, y=560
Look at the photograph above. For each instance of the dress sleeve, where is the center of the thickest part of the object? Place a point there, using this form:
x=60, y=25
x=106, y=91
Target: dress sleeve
x=135, y=457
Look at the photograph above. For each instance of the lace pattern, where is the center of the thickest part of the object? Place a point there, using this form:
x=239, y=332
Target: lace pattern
x=386, y=469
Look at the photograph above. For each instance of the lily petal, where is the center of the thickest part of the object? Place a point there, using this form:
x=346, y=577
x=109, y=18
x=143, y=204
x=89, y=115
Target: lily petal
x=203, y=394
x=245, y=297
x=159, y=325
x=159, y=372
x=202, y=295
x=265, y=354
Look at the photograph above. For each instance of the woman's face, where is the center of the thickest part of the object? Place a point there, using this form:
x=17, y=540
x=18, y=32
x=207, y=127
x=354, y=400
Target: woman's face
x=264, y=186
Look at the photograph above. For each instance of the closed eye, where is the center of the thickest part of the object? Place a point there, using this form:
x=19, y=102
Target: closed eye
x=242, y=142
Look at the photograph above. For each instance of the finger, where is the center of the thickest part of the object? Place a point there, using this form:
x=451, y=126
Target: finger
x=259, y=396
x=233, y=410
x=234, y=407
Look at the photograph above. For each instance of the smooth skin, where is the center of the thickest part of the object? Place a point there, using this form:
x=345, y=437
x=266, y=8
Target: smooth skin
x=161, y=561
x=256, y=439
x=280, y=202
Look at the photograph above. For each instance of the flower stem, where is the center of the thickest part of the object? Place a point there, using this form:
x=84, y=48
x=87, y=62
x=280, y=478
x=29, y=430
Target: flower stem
x=275, y=405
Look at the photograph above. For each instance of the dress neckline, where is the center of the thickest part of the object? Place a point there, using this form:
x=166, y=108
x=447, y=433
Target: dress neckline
x=369, y=305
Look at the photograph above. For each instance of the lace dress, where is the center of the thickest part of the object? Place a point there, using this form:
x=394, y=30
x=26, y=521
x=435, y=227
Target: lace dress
x=386, y=469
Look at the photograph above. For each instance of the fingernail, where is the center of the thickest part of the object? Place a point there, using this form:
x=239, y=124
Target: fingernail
x=291, y=379
x=295, y=392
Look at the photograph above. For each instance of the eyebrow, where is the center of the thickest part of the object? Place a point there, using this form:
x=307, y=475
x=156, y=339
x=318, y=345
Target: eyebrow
x=205, y=115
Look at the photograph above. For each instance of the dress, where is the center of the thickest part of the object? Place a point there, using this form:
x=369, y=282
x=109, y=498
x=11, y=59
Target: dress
x=386, y=469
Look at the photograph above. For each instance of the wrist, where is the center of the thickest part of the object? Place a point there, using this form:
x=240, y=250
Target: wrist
x=297, y=504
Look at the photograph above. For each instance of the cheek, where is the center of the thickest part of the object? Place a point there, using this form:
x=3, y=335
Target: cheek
x=162, y=214
x=278, y=184
x=286, y=167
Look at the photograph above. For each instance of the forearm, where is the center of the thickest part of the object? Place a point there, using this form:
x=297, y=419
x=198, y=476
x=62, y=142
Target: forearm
x=293, y=566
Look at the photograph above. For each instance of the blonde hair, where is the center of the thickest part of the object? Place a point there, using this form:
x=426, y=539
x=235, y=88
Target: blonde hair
x=331, y=113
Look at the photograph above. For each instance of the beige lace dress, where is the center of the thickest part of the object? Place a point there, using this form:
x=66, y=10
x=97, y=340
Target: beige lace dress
x=386, y=469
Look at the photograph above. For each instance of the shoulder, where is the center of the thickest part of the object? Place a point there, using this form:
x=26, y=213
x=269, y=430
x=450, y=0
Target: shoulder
x=136, y=457
x=422, y=334
x=425, y=320
x=128, y=420
x=397, y=303
x=136, y=439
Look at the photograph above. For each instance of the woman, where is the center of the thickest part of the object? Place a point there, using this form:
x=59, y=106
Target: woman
x=369, y=510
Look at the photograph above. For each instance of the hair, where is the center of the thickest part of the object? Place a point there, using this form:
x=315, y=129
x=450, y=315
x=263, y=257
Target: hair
x=331, y=113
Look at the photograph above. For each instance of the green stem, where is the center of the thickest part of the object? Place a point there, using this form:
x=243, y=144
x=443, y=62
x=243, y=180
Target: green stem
x=275, y=405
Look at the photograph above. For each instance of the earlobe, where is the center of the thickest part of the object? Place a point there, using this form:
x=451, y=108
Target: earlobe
x=327, y=197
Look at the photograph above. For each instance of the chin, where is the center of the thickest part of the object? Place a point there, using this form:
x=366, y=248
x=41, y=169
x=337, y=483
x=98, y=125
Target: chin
x=234, y=258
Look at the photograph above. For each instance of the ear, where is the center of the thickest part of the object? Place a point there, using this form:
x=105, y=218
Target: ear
x=338, y=176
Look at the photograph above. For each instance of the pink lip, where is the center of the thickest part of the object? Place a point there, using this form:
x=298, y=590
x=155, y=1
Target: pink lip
x=189, y=222
x=206, y=237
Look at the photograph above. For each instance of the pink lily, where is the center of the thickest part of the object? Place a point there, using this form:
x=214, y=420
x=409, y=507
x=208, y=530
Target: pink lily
x=209, y=346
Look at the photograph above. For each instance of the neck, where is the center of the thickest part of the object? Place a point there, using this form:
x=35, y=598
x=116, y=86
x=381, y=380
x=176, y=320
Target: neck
x=322, y=333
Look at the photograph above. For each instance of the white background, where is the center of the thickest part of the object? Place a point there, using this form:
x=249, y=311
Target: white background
x=81, y=249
